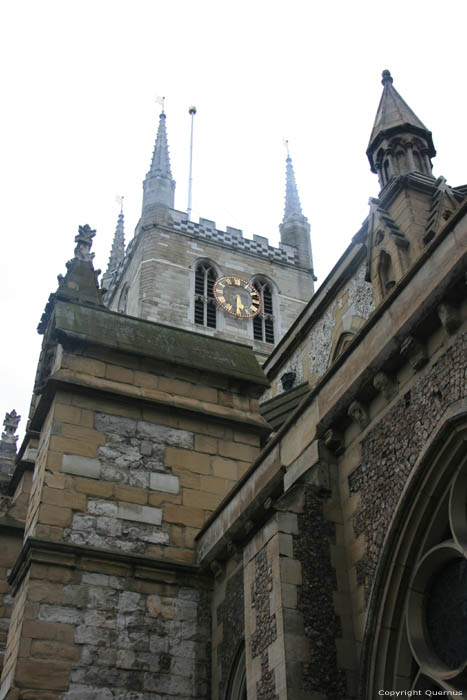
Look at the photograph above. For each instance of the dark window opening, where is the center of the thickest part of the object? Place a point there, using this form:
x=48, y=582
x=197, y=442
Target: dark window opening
x=263, y=323
x=205, y=304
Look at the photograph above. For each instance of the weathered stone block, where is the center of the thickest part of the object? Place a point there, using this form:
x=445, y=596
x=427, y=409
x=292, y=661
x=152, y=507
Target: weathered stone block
x=58, y=613
x=131, y=494
x=164, y=482
x=93, y=488
x=183, y=515
x=138, y=513
x=54, y=515
x=225, y=468
x=101, y=507
x=120, y=425
x=39, y=674
x=81, y=466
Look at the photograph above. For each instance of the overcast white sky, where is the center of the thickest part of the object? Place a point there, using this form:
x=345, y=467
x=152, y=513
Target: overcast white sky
x=79, y=118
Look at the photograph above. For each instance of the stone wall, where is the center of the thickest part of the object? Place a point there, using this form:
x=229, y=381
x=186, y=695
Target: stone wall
x=391, y=446
x=346, y=313
x=260, y=621
x=161, y=278
x=316, y=599
x=96, y=629
x=228, y=627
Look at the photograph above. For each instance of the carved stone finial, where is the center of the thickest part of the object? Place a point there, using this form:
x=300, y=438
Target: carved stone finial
x=449, y=317
x=387, y=77
x=359, y=414
x=11, y=425
x=83, y=243
x=415, y=352
x=385, y=384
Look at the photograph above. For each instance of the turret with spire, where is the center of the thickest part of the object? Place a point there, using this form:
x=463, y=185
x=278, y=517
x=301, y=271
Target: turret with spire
x=412, y=206
x=159, y=187
x=295, y=229
x=399, y=143
x=118, y=249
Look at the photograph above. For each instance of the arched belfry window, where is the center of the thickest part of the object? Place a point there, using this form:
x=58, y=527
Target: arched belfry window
x=205, y=304
x=263, y=323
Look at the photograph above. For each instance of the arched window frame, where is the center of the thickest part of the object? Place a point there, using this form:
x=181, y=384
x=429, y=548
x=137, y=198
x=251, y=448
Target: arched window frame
x=344, y=341
x=428, y=530
x=264, y=325
x=236, y=689
x=204, y=304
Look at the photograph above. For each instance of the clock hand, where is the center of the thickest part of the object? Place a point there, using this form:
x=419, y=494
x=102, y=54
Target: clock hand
x=239, y=304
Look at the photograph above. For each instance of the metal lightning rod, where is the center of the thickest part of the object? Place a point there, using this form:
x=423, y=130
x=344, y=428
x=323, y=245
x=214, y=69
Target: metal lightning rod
x=192, y=111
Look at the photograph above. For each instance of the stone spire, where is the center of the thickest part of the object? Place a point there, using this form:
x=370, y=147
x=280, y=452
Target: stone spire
x=8, y=443
x=399, y=143
x=118, y=246
x=292, y=201
x=159, y=187
x=295, y=229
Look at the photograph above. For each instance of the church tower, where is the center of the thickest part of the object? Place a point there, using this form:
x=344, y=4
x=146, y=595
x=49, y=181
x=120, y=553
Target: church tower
x=412, y=205
x=168, y=270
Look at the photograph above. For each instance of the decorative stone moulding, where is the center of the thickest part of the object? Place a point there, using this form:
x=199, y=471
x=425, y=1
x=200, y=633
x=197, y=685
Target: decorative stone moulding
x=414, y=352
x=449, y=317
x=438, y=599
x=334, y=441
x=359, y=414
x=216, y=568
x=385, y=385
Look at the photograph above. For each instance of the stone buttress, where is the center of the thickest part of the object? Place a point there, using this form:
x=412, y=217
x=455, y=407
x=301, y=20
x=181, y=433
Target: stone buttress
x=140, y=430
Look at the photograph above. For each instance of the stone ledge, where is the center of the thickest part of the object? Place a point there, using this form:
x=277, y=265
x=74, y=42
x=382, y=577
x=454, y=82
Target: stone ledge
x=87, y=384
x=77, y=322
x=50, y=552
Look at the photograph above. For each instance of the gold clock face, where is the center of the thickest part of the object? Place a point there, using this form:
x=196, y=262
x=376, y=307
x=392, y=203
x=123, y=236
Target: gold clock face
x=238, y=297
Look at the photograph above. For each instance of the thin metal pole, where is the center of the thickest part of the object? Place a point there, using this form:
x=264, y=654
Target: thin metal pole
x=191, y=111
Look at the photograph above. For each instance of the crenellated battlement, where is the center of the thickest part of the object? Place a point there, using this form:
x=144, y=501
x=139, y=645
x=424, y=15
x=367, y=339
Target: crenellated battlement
x=233, y=237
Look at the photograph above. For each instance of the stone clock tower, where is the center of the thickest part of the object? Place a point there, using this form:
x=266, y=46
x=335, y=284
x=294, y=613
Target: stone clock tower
x=168, y=270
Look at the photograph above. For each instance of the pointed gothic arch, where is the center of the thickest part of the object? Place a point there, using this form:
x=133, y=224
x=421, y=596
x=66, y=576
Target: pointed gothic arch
x=205, y=307
x=236, y=688
x=343, y=342
x=264, y=324
x=411, y=641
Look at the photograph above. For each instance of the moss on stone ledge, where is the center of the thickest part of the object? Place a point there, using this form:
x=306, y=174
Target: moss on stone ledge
x=99, y=326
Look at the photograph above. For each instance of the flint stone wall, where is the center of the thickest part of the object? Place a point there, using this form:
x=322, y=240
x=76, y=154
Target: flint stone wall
x=266, y=625
x=315, y=599
x=391, y=448
x=230, y=613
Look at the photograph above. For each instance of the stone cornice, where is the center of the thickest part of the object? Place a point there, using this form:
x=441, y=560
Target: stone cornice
x=50, y=552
